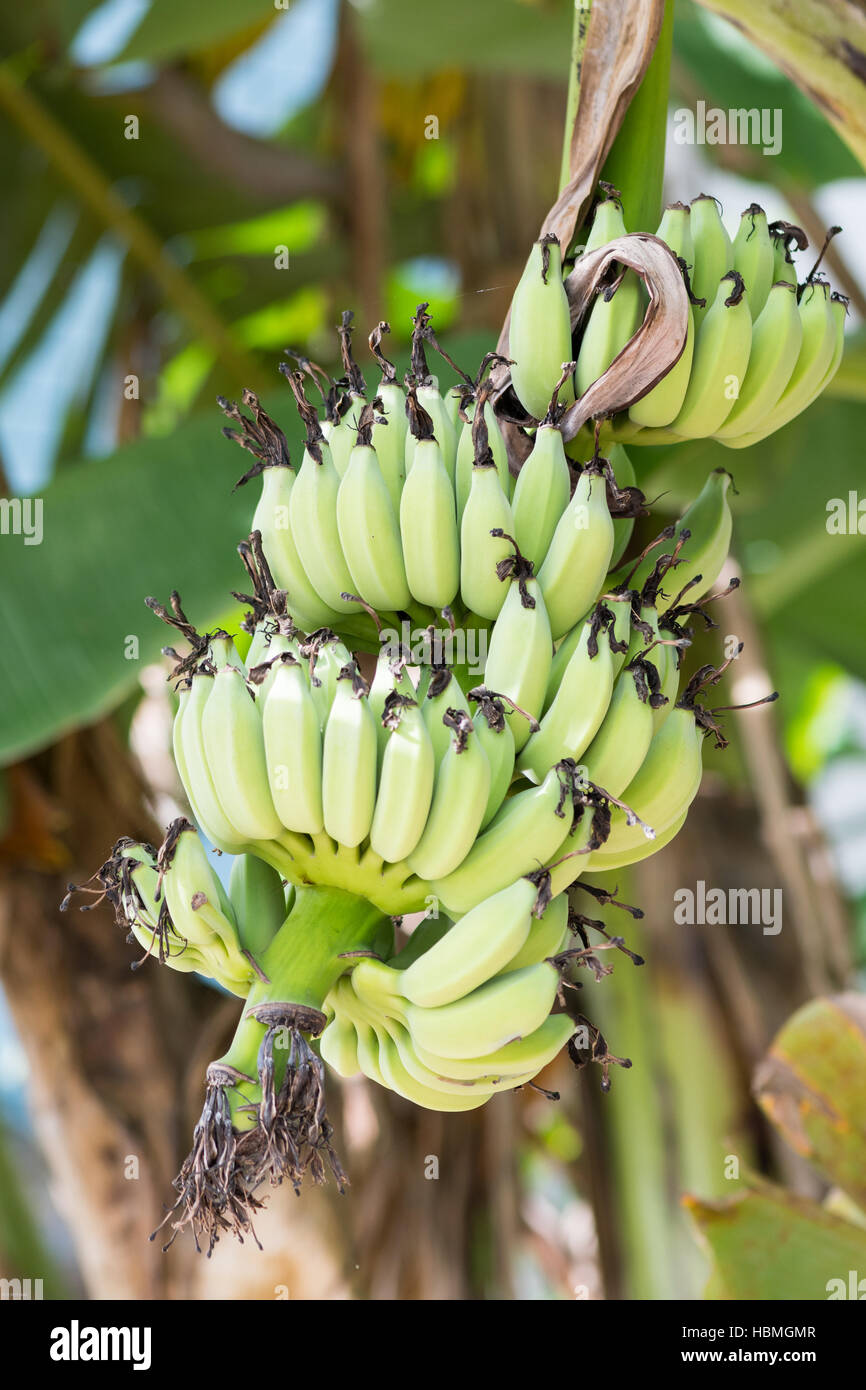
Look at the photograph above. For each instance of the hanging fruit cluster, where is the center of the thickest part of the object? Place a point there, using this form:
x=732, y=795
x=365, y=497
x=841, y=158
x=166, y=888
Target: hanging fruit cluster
x=539, y=724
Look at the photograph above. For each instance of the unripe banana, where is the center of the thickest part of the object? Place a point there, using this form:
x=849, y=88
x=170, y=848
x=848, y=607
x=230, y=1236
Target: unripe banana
x=667, y=781
x=663, y=403
x=425, y=390
x=823, y=319
x=428, y=519
x=459, y=804
x=548, y=935
x=755, y=257
x=234, y=746
x=439, y=1083
x=327, y=656
x=272, y=519
x=476, y=948
x=776, y=341
x=406, y=781
x=342, y=434
x=578, y=708
x=539, y=335
x=708, y=522
x=369, y=529
x=293, y=747
x=195, y=773
x=390, y=676
x=399, y=1079
x=622, y=742
x=520, y=650
x=528, y=1054
x=523, y=835
x=315, y=529
x=623, y=526
x=615, y=315
x=339, y=1047
x=722, y=347
x=541, y=494
x=487, y=512
x=389, y=434
x=613, y=612
x=199, y=906
x=497, y=740
x=466, y=456
x=444, y=696
x=506, y=1007
x=714, y=254
x=633, y=848
x=259, y=900
x=349, y=762
x=579, y=556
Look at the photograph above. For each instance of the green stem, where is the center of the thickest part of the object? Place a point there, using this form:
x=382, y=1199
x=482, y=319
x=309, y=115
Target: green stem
x=636, y=161
x=580, y=27
x=95, y=191
x=302, y=964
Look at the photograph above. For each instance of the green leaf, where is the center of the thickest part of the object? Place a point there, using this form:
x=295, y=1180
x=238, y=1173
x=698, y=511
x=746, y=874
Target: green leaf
x=156, y=515
x=768, y=1244
x=486, y=36
x=726, y=70
x=174, y=27
x=810, y=1085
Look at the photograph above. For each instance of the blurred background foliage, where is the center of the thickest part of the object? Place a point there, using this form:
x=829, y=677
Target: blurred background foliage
x=189, y=189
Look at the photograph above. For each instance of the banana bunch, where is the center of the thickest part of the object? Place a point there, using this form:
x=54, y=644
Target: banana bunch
x=759, y=347
x=563, y=738
x=418, y=518
x=464, y=1010
x=174, y=905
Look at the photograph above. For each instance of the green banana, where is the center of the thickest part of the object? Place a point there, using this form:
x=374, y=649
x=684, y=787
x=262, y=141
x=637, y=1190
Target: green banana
x=579, y=706
x=368, y=526
x=722, y=346
x=327, y=657
x=293, y=746
x=579, y=555
x=823, y=320
x=548, y=935
x=459, y=803
x=391, y=426
x=406, y=781
x=713, y=252
x=444, y=696
x=523, y=834
x=234, y=746
x=428, y=517
x=520, y=649
x=506, y=1007
x=466, y=456
x=272, y=519
x=539, y=333
x=615, y=315
x=663, y=403
x=622, y=742
x=349, y=761
x=487, y=522
x=529, y=1054
x=477, y=946
x=755, y=257
x=313, y=512
x=497, y=740
x=541, y=492
x=708, y=523
x=192, y=766
x=338, y=1046
x=259, y=900
x=777, y=338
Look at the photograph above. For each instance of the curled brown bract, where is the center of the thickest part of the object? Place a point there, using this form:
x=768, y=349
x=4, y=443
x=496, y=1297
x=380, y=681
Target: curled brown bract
x=659, y=341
